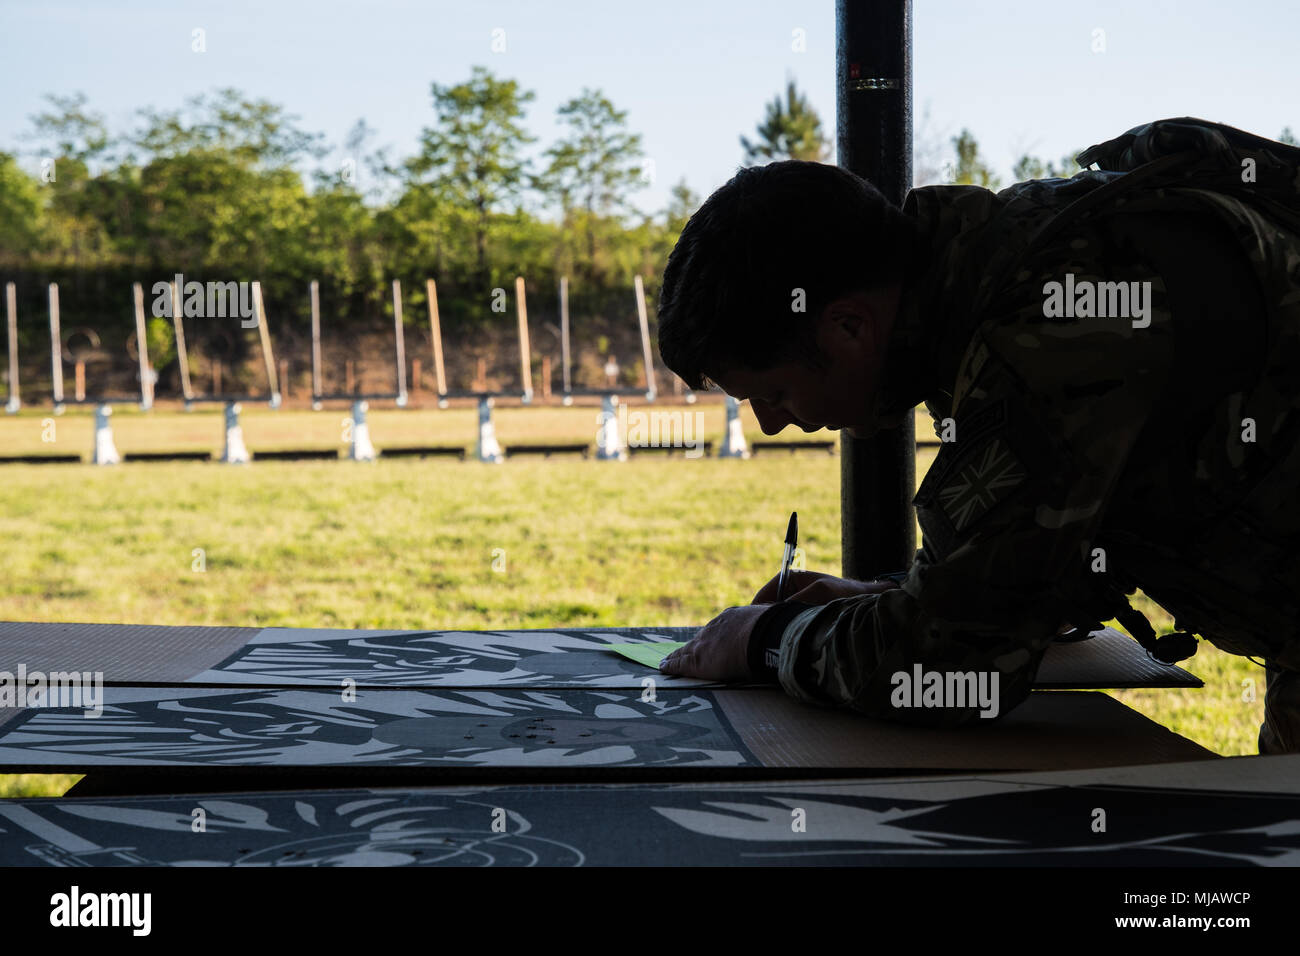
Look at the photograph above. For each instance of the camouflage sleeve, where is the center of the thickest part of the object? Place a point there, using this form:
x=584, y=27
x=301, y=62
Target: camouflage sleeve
x=1045, y=413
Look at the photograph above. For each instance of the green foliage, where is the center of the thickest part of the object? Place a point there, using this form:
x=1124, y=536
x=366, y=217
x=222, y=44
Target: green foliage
x=224, y=188
x=70, y=131
x=254, y=133
x=1031, y=167
x=595, y=163
x=971, y=170
x=472, y=159
x=21, y=219
x=593, y=168
x=160, y=338
x=791, y=129
x=683, y=204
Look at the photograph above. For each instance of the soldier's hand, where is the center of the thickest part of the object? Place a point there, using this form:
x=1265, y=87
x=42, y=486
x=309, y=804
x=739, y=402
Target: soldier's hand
x=795, y=581
x=813, y=587
x=720, y=651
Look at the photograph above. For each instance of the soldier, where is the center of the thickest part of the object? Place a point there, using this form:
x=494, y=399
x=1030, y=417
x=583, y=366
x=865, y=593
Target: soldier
x=1112, y=362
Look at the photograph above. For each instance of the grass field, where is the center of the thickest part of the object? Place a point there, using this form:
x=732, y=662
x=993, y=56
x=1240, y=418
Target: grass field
x=437, y=543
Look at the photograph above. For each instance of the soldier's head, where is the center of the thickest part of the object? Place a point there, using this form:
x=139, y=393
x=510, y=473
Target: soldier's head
x=783, y=289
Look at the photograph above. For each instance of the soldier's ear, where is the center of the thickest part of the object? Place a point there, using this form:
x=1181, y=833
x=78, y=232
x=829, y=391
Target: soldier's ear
x=848, y=321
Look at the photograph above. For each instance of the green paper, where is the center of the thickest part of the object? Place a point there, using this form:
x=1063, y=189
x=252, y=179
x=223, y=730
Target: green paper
x=648, y=654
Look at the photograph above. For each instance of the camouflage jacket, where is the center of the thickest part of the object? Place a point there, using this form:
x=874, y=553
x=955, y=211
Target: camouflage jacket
x=1089, y=450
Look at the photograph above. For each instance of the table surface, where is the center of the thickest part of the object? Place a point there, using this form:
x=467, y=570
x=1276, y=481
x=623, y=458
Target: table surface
x=406, y=737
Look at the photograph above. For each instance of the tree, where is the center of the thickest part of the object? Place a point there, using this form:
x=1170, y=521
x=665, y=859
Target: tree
x=681, y=207
x=790, y=130
x=70, y=131
x=219, y=188
x=20, y=212
x=473, y=156
x=206, y=209
x=1288, y=137
x=76, y=204
x=255, y=133
x=340, y=239
x=595, y=165
x=216, y=189
x=971, y=170
x=1031, y=167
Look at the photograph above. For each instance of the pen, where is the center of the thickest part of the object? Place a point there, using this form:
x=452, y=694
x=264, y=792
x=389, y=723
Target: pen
x=791, y=539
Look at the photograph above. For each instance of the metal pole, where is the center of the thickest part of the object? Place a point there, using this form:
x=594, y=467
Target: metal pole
x=435, y=332
x=264, y=334
x=11, y=313
x=182, y=358
x=142, y=348
x=647, y=355
x=399, y=335
x=564, y=331
x=873, y=73
x=315, y=344
x=525, y=353
x=56, y=347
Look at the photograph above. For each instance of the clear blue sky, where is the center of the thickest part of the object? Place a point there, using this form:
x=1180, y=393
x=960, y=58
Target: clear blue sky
x=693, y=74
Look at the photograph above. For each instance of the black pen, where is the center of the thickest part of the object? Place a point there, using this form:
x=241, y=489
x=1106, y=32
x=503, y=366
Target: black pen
x=791, y=539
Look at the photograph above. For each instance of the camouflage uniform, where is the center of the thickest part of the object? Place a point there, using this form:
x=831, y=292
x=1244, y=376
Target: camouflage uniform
x=1093, y=455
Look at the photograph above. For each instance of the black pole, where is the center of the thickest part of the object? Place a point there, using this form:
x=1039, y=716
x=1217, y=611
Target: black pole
x=873, y=73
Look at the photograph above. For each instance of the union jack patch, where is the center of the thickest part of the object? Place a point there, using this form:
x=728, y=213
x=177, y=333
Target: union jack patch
x=988, y=477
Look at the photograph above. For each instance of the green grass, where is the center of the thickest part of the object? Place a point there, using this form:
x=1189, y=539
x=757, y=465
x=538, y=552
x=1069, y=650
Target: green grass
x=412, y=544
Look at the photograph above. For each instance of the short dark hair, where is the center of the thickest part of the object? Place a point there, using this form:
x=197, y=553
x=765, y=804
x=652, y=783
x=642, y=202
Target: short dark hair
x=730, y=282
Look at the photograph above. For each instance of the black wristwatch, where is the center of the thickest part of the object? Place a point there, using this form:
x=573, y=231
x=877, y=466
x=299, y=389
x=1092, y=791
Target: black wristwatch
x=765, y=639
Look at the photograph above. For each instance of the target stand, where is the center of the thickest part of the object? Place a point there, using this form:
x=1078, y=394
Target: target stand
x=83, y=349
x=360, y=447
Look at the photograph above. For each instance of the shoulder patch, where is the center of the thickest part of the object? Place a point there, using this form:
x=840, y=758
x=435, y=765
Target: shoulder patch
x=997, y=450
x=984, y=478
x=970, y=476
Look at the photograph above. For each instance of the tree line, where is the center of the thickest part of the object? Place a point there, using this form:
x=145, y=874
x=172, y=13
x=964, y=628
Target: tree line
x=230, y=186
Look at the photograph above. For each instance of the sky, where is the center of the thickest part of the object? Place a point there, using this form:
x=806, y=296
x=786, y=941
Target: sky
x=693, y=75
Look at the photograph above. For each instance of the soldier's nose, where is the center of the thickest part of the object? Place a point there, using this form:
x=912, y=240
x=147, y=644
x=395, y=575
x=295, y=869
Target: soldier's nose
x=769, y=419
